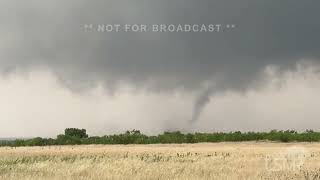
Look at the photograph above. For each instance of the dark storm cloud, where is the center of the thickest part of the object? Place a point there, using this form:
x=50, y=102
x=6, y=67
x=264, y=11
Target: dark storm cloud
x=51, y=34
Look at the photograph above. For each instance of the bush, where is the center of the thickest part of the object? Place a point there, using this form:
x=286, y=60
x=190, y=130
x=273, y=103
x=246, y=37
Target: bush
x=68, y=140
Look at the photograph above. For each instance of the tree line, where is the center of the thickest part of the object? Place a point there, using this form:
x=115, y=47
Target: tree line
x=74, y=136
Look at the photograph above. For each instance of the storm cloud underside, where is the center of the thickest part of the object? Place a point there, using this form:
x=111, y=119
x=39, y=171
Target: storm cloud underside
x=50, y=34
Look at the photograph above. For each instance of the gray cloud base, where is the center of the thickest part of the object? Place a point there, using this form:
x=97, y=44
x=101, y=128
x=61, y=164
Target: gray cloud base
x=50, y=33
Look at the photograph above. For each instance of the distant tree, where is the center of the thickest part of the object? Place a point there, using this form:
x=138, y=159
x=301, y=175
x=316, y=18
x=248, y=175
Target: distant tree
x=309, y=131
x=38, y=141
x=74, y=132
x=190, y=138
x=75, y=136
x=133, y=132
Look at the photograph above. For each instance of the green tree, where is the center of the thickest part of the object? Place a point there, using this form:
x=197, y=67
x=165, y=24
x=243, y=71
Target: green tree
x=74, y=132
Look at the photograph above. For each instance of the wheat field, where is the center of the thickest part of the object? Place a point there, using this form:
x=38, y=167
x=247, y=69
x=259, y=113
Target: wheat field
x=252, y=160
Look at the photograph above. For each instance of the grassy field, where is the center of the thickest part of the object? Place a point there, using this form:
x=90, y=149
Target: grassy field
x=246, y=160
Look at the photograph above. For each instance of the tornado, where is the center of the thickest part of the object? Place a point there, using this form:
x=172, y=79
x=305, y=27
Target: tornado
x=200, y=103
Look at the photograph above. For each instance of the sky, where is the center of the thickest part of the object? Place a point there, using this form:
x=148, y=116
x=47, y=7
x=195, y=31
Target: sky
x=55, y=73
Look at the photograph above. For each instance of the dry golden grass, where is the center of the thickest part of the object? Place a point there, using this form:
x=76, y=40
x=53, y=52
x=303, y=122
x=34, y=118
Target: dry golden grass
x=186, y=161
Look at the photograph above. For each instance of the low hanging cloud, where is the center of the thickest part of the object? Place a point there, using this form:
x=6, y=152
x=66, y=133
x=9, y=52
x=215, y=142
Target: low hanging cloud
x=37, y=104
x=49, y=36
